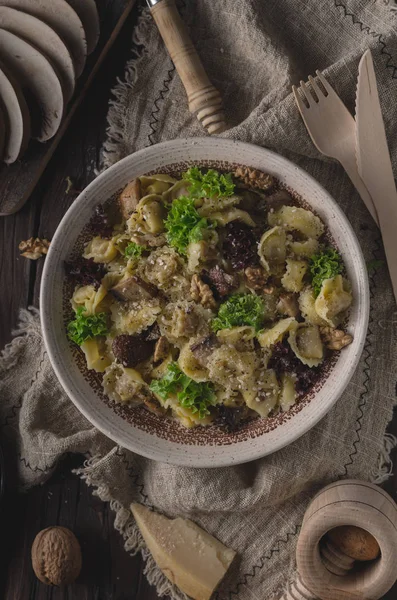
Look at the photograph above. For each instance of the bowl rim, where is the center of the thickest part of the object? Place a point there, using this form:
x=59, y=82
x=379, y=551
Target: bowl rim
x=222, y=459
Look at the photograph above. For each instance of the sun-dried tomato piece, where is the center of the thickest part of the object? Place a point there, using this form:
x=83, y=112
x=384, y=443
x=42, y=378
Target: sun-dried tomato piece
x=85, y=271
x=283, y=360
x=240, y=245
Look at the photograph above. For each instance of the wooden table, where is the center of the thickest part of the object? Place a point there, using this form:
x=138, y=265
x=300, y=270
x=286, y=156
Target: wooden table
x=109, y=573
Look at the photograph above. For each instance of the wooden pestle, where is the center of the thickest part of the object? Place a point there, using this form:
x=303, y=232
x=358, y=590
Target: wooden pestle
x=346, y=523
x=203, y=98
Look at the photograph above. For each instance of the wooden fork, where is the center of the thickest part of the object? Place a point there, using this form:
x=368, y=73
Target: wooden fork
x=332, y=129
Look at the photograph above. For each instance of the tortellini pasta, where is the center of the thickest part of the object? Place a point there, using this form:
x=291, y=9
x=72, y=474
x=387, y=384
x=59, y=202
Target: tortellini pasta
x=333, y=300
x=124, y=385
x=90, y=298
x=183, y=320
x=210, y=206
x=134, y=318
x=306, y=303
x=149, y=216
x=101, y=250
x=305, y=342
x=96, y=355
x=180, y=188
x=265, y=399
x=232, y=214
x=288, y=393
x=276, y=333
x=161, y=267
x=240, y=337
x=294, y=218
x=156, y=184
x=200, y=253
x=190, y=365
x=304, y=249
x=233, y=369
x=292, y=280
x=272, y=248
x=188, y=418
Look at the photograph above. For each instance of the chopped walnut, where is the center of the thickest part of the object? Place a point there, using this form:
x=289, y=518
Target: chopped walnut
x=254, y=178
x=34, y=248
x=335, y=339
x=161, y=349
x=202, y=293
x=288, y=305
x=256, y=277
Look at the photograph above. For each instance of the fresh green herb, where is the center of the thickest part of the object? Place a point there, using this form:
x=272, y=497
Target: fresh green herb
x=183, y=224
x=373, y=265
x=133, y=250
x=240, y=309
x=198, y=397
x=324, y=265
x=85, y=327
x=209, y=184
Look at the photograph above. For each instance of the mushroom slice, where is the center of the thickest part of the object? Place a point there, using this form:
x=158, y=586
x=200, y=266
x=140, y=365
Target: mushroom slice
x=129, y=198
x=17, y=118
x=40, y=35
x=61, y=18
x=133, y=289
x=33, y=72
x=88, y=15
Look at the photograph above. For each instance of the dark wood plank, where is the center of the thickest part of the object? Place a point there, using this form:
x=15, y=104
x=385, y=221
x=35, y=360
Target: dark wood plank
x=18, y=180
x=108, y=571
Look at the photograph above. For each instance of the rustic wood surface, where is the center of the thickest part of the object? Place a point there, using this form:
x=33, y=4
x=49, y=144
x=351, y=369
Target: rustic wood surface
x=18, y=180
x=108, y=572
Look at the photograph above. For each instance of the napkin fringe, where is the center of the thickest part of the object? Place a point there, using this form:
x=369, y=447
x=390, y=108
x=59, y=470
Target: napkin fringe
x=384, y=465
x=28, y=324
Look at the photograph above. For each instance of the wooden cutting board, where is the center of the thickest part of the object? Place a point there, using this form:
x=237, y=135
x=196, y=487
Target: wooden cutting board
x=18, y=180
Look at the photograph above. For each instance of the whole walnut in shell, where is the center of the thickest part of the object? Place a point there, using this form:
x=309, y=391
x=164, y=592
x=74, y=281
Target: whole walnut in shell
x=56, y=556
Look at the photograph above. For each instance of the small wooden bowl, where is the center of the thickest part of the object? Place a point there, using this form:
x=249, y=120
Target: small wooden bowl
x=362, y=505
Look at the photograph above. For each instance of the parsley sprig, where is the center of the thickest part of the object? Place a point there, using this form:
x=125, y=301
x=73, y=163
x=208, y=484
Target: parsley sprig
x=240, y=309
x=198, y=397
x=324, y=265
x=133, y=250
x=184, y=224
x=86, y=327
x=209, y=184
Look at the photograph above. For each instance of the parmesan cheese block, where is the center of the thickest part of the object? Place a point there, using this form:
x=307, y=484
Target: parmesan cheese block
x=188, y=556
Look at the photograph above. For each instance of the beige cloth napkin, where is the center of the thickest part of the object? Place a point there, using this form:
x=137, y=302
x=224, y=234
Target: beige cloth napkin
x=253, y=51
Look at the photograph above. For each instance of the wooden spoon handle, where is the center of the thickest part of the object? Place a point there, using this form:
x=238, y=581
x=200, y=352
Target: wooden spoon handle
x=204, y=99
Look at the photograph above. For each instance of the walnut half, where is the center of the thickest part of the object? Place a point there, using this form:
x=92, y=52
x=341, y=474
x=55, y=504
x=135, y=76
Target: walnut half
x=254, y=178
x=202, y=293
x=34, y=248
x=256, y=277
x=335, y=339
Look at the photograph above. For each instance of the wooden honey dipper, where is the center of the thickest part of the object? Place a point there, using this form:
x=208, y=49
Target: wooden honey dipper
x=203, y=98
x=347, y=547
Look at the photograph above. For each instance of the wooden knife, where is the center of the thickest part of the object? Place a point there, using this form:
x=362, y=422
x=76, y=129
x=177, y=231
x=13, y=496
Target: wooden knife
x=373, y=160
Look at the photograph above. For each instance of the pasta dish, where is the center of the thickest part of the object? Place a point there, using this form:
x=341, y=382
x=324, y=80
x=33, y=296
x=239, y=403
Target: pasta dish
x=208, y=297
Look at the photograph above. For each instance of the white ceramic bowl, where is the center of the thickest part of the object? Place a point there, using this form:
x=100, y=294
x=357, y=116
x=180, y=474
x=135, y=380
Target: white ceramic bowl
x=162, y=439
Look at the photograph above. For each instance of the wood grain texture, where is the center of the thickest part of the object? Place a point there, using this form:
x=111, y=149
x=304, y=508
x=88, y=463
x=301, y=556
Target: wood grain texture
x=109, y=573
x=17, y=181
